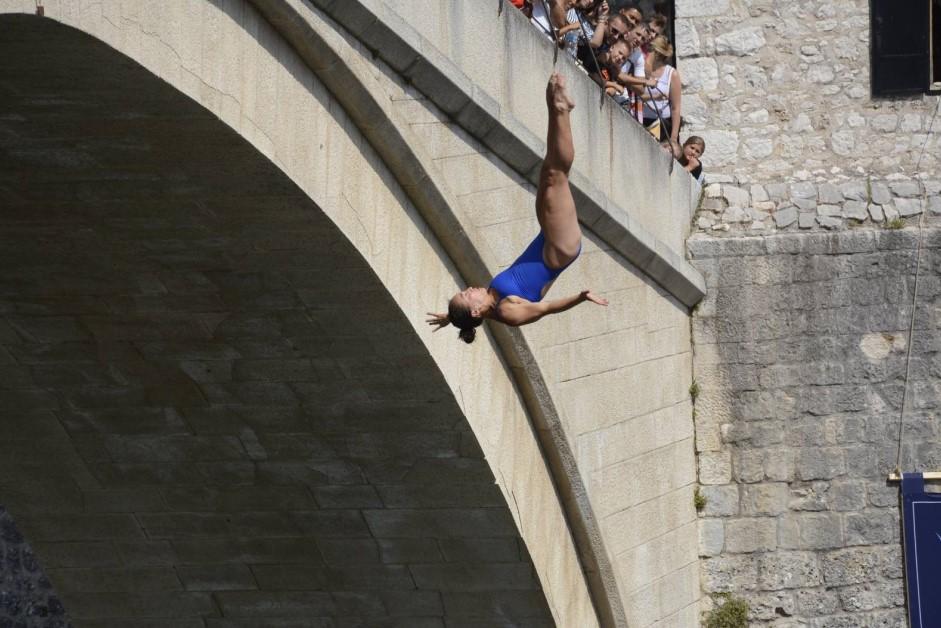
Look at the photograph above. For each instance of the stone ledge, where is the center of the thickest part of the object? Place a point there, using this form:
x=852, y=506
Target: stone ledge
x=898, y=201
x=707, y=246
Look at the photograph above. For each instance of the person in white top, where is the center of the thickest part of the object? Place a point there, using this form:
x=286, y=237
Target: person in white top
x=663, y=102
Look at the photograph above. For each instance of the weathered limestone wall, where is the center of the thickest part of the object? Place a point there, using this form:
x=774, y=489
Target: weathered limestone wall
x=780, y=92
x=799, y=354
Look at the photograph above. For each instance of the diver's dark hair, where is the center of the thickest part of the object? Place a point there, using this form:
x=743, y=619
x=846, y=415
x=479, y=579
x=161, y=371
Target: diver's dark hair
x=467, y=334
x=461, y=318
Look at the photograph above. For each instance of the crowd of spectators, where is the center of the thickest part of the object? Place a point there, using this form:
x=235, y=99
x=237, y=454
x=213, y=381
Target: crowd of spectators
x=630, y=56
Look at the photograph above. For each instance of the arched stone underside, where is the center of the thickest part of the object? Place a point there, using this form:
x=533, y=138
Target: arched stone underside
x=213, y=413
x=427, y=206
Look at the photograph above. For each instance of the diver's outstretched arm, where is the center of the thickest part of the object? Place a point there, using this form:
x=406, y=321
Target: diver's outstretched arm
x=516, y=311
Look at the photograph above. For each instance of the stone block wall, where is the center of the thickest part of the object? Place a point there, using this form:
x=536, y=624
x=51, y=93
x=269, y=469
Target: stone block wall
x=728, y=209
x=780, y=92
x=799, y=355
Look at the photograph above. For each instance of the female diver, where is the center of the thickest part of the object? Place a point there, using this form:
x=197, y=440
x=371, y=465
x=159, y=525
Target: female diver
x=515, y=295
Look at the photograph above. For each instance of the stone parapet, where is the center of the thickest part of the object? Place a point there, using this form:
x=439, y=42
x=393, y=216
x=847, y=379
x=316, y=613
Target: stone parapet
x=732, y=209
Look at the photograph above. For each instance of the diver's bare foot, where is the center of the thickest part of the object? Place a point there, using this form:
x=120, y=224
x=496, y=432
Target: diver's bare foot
x=556, y=95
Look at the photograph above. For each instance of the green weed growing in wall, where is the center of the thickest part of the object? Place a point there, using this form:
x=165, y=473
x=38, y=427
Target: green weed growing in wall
x=730, y=612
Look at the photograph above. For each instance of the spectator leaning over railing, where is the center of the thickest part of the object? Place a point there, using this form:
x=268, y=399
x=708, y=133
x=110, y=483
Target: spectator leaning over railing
x=611, y=62
x=663, y=103
x=567, y=21
x=587, y=21
x=634, y=73
x=657, y=25
x=615, y=29
x=596, y=23
x=647, y=36
x=693, y=148
x=630, y=58
x=632, y=14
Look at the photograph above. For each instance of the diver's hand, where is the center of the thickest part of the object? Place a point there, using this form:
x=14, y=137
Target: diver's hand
x=588, y=295
x=437, y=321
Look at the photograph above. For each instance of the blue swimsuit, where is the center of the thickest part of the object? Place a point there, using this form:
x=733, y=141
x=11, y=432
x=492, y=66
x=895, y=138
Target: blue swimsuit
x=528, y=275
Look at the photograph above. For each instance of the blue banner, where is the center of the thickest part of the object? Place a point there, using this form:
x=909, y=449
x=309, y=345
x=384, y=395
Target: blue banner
x=921, y=514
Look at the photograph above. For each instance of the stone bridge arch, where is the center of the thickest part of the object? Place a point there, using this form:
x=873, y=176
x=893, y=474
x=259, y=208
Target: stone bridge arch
x=524, y=397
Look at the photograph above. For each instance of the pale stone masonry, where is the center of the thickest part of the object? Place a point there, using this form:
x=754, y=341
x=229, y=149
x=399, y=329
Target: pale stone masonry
x=780, y=92
x=799, y=355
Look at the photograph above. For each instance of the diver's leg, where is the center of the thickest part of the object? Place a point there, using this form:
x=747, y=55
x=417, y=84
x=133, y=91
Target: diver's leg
x=555, y=207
